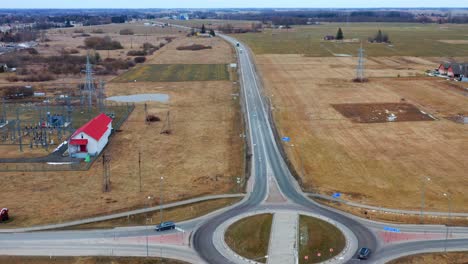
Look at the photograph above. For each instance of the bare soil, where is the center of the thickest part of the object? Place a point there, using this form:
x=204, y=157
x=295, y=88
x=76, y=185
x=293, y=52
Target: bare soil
x=381, y=112
x=84, y=260
x=370, y=162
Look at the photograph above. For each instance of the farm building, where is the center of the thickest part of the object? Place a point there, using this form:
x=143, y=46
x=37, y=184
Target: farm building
x=454, y=70
x=91, y=138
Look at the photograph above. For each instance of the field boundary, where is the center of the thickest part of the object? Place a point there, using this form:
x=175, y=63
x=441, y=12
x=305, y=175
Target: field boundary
x=383, y=209
x=120, y=215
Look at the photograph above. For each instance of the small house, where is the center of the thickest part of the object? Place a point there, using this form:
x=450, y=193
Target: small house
x=91, y=138
x=456, y=70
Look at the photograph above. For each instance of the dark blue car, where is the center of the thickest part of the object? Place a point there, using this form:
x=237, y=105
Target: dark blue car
x=165, y=226
x=364, y=253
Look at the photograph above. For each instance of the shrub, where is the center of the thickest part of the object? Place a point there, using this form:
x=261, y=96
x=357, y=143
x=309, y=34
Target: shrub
x=136, y=53
x=78, y=31
x=140, y=59
x=97, y=31
x=126, y=31
x=105, y=43
x=194, y=47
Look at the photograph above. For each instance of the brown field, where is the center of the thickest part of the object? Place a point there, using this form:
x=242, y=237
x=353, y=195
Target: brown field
x=434, y=258
x=202, y=156
x=370, y=163
x=216, y=55
x=381, y=112
x=454, y=41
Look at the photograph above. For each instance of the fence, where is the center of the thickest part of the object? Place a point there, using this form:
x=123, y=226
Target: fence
x=59, y=163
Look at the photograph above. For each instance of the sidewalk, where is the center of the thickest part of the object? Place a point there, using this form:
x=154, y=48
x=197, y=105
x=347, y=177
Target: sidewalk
x=283, y=238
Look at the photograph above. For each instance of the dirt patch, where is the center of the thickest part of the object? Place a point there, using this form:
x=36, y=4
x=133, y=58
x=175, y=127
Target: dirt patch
x=434, y=258
x=454, y=41
x=382, y=112
x=85, y=260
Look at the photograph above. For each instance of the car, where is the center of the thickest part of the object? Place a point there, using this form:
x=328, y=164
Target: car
x=364, y=253
x=165, y=226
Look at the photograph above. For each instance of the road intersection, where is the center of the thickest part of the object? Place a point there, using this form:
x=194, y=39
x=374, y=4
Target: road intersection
x=272, y=188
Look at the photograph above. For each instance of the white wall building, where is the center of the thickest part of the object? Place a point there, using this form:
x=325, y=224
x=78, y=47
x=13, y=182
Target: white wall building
x=91, y=138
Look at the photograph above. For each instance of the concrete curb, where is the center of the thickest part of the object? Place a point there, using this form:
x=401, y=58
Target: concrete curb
x=346, y=254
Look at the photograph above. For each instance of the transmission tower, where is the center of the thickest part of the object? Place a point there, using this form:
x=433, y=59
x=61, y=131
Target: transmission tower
x=101, y=97
x=360, y=66
x=88, y=89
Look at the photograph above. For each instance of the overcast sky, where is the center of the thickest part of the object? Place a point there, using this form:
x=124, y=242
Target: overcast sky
x=227, y=3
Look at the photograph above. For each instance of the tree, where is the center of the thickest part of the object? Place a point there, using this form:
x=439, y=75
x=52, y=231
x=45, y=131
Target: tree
x=212, y=33
x=339, y=34
x=203, y=30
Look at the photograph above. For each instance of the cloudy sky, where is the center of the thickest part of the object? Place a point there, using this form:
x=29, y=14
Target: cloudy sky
x=227, y=3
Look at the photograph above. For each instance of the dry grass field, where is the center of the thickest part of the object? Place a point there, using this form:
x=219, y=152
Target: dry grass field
x=370, y=162
x=85, y=260
x=201, y=156
x=434, y=258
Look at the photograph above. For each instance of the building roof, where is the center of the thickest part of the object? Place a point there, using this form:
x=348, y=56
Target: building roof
x=459, y=68
x=95, y=128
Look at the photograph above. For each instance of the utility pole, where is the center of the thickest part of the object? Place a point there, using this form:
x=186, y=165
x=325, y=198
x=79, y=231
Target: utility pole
x=449, y=198
x=18, y=126
x=106, y=172
x=423, y=193
x=360, y=66
x=139, y=167
x=161, y=210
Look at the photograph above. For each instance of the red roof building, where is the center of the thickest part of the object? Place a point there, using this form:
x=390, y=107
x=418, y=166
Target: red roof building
x=91, y=138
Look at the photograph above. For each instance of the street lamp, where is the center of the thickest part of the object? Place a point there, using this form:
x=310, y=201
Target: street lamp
x=147, y=247
x=449, y=198
x=423, y=193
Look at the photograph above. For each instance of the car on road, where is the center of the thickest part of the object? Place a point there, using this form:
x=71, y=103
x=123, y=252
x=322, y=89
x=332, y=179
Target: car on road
x=364, y=253
x=165, y=226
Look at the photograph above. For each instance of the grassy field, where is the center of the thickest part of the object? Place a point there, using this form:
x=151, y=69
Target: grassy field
x=176, y=214
x=249, y=237
x=85, y=260
x=317, y=236
x=407, y=40
x=434, y=258
x=175, y=73
x=203, y=151
x=371, y=162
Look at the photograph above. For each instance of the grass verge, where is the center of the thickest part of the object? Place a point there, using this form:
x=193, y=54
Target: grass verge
x=249, y=237
x=176, y=214
x=319, y=240
x=395, y=218
x=434, y=258
x=85, y=260
x=175, y=73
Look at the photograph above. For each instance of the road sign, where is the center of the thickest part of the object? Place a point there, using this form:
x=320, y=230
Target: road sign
x=286, y=139
x=391, y=229
x=336, y=195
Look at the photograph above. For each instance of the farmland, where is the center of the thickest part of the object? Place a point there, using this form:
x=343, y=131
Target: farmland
x=370, y=162
x=176, y=73
x=430, y=40
x=200, y=148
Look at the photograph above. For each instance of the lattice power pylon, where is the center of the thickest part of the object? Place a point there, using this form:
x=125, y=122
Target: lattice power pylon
x=88, y=89
x=101, y=96
x=360, y=67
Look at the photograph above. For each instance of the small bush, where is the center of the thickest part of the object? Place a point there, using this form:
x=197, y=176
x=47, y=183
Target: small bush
x=12, y=78
x=140, y=59
x=194, y=47
x=136, y=53
x=97, y=31
x=78, y=31
x=152, y=118
x=105, y=43
x=126, y=31
x=32, y=51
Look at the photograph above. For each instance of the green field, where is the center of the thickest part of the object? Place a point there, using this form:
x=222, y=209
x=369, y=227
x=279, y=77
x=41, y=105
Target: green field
x=175, y=73
x=317, y=236
x=407, y=40
x=249, y=237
